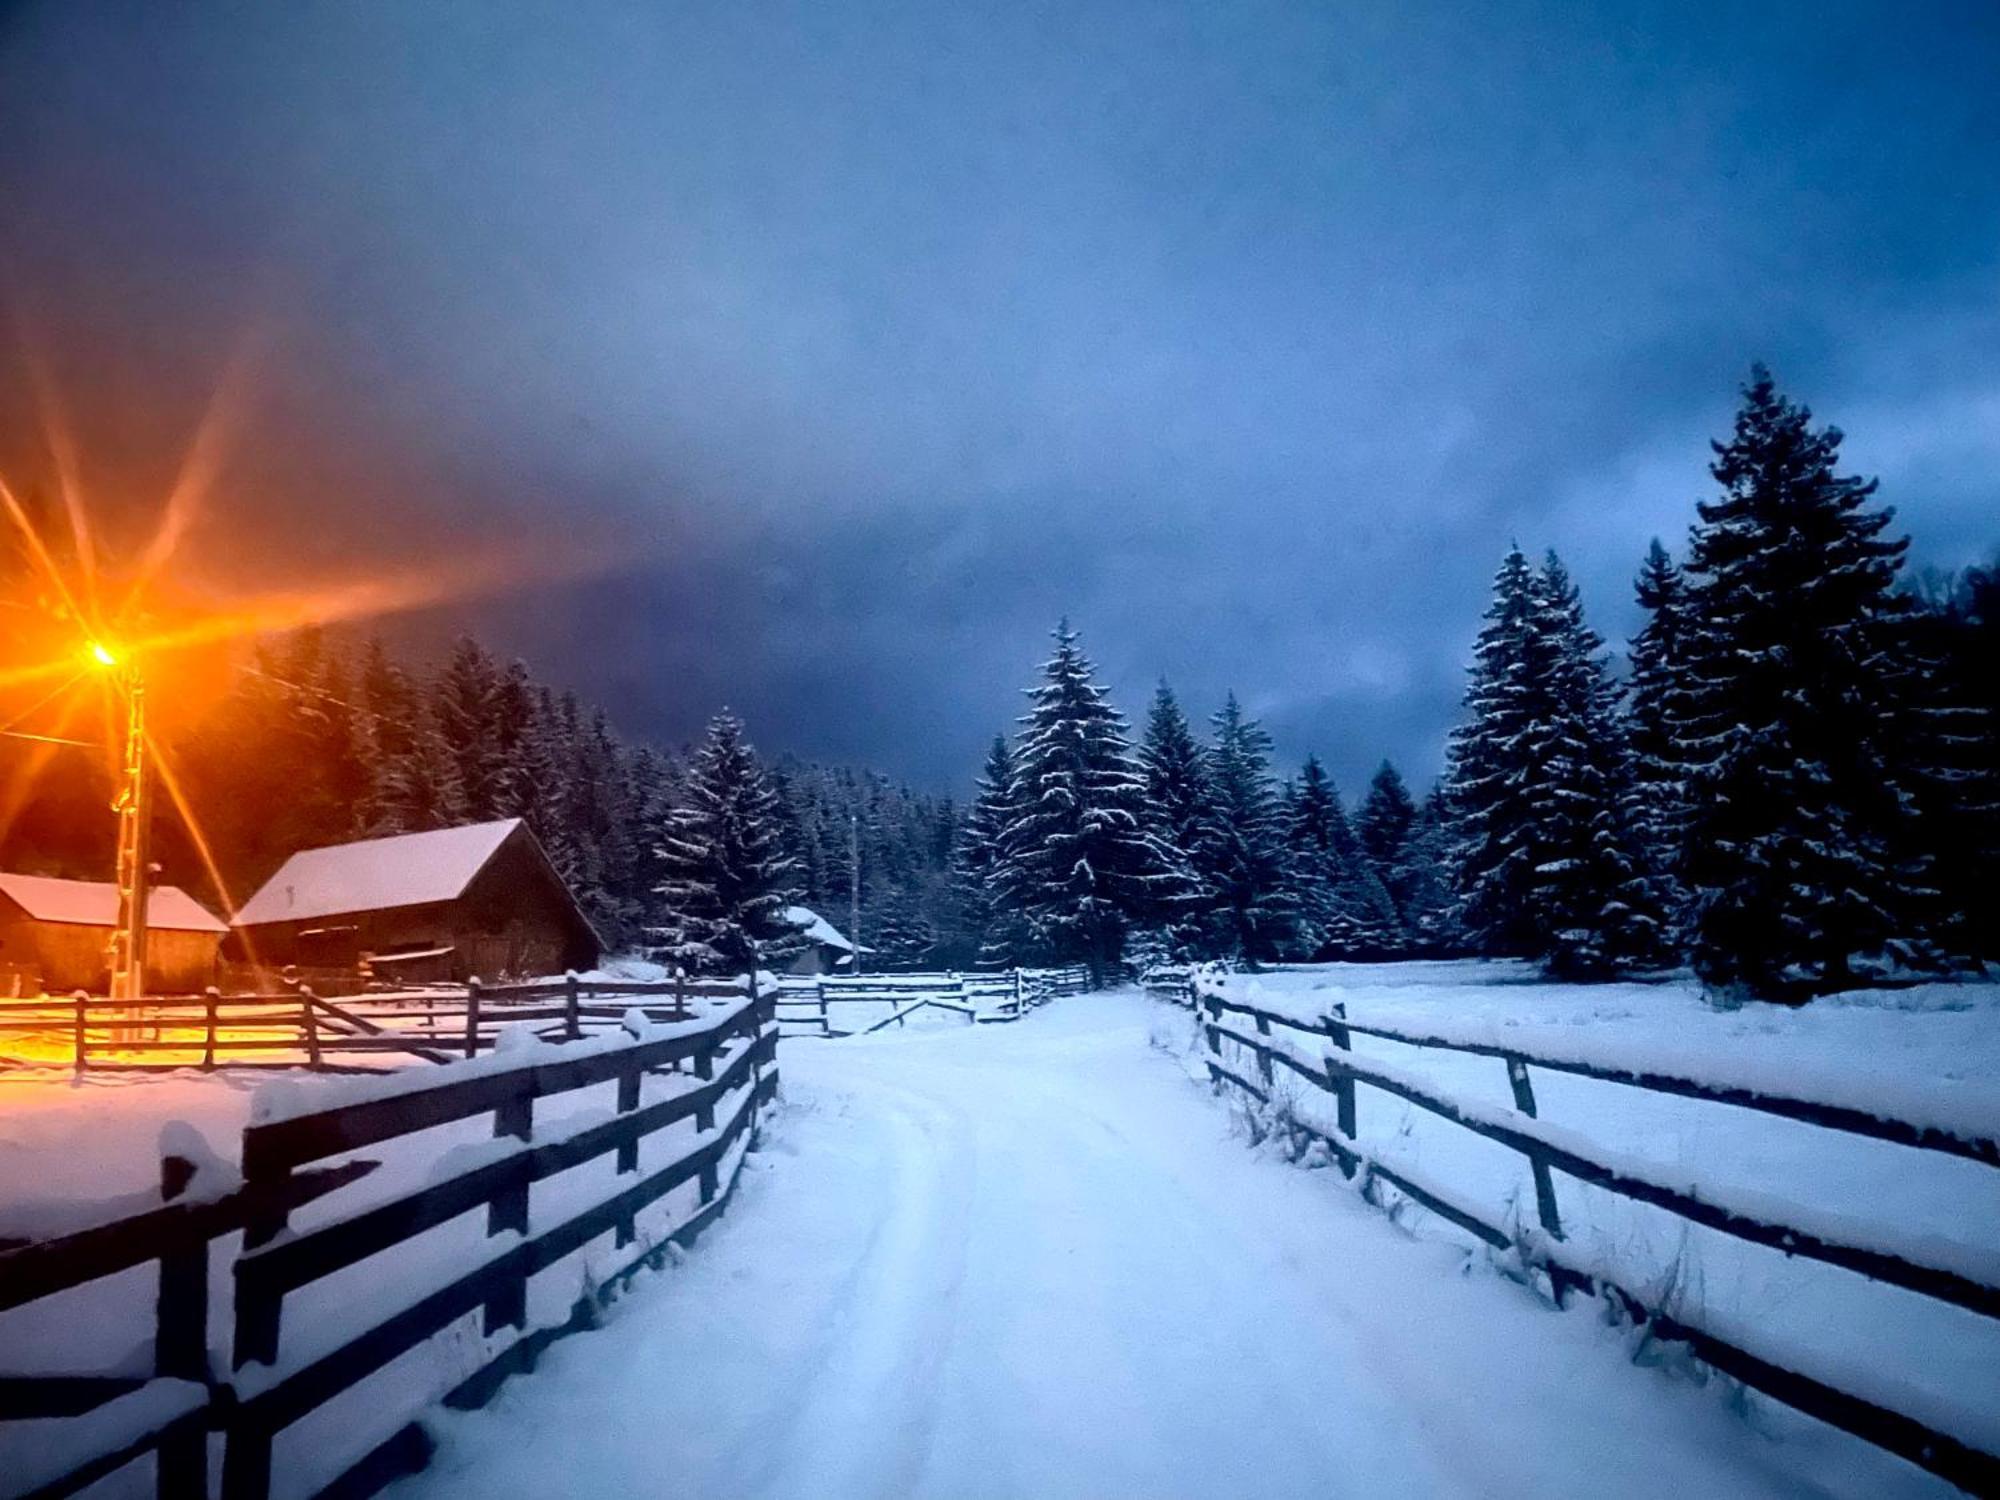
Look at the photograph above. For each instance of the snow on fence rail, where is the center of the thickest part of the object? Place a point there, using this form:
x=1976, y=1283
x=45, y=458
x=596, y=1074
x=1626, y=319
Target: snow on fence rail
x=110, y=1421
x=302, y=1028
x=806, y=1001
x=1961, y=1275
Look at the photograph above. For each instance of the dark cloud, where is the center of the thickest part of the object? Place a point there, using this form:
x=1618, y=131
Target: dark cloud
x=869, y=339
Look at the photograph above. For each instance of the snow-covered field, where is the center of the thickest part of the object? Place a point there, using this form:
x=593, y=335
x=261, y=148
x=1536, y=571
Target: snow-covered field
x=1930, y=1054
x=1037, y=1260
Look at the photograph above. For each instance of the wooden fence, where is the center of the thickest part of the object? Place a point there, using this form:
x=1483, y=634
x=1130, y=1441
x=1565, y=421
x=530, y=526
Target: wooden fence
x=1341, y=1074
x=727, y=1065
x=807, y=1003
x=301, y=1027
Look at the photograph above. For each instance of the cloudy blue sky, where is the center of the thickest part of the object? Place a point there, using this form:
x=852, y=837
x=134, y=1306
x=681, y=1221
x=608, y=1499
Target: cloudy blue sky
x=864, y=340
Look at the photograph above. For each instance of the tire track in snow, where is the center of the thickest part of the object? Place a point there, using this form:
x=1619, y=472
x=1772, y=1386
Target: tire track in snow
x=857, y=1418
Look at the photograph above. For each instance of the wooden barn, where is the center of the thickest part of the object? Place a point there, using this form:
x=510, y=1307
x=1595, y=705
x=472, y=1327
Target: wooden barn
x=481, y=901
x=55, y=936
x=827, y=949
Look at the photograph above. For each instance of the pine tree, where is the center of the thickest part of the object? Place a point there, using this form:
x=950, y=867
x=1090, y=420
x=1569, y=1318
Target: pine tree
x=1590, y=900
x=412, y=785
x=1801, y=845
x=1486, y=782
x=1659, y=779
x=1958, y=644
x=1244, y=862
x=1076, y=864
x=463, y=701
x=726, y=882
x=1321, y=848
x=987, y=931
x=1430, y=919
x=1180, y=817
x=512, y=725
x=1383, y=828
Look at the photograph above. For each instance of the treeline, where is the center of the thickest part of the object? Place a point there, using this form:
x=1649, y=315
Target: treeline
x=321, y=741
x=1795, y=789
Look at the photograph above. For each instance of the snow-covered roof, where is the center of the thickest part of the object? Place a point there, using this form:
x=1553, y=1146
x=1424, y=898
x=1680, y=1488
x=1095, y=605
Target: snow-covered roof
x=405, y=869
x=94, y=903
x=817, y=928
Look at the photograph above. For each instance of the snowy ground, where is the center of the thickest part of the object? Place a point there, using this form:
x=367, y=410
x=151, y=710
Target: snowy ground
x=1931, y=1054
x=1034, y=1260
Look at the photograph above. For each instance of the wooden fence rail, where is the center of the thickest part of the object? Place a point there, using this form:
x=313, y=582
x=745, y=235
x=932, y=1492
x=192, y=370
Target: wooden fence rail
x=727, y=1061
x=1926, y=1269
x=300, y=1027
x=806, y=1002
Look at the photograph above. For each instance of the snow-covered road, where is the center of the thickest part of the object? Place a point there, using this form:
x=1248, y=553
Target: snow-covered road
x=1033, y=1260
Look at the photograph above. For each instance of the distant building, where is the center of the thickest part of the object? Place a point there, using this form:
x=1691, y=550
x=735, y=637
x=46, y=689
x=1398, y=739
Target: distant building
x=55, y=936
x=827, y=949
x=457, y=903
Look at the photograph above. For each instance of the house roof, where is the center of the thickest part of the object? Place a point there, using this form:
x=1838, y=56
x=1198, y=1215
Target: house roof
x=818, y=930
x=405, y=869
x=94, y=903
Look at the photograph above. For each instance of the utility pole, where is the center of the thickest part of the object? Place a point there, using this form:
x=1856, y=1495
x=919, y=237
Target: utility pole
x=134, y=870
x=854, y=886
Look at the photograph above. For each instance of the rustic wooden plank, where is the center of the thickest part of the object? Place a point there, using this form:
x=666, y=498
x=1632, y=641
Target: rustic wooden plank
x=319, y=1252
x=340, y=1128
x=1938, y=1282
x=1827, y=1115
x=43, y=1268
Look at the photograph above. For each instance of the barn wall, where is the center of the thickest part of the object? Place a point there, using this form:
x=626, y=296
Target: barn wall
x=517, y=918
x=70, y=956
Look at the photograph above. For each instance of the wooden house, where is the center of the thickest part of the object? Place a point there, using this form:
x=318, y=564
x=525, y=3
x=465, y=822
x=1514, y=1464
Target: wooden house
x=827, y=951
x=481, y=901
x=55, y=936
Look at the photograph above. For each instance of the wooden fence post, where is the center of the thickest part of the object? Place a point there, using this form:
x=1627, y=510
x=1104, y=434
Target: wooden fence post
x=1343, y=1084
x=825, y=1019
x=509, y=1209
x=1020, y=1001
x=680, y=994
x=180, y=1341
x=1545, y=1188
x=628, y=1152
x=81, y=1025
x=472, y=1016
x=572, y=1002
x=310, y=1022
x=1263, y=1056
x=211, y=1004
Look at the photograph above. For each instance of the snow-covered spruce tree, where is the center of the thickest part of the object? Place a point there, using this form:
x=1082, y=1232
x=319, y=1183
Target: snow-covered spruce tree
x=1658, y=782
x=1076, y=863
x=1245, y=861
x=512, y=723
x=1802, y=843
x=993, y=934
x=1430, y=913
x=726, y=883
x=1485, y=785
x=1958, y=645
x=1383, y=826
x=1344, y=911
x=413, y=783
x=1181, y=819
x=463, y=700
x=1590, y=899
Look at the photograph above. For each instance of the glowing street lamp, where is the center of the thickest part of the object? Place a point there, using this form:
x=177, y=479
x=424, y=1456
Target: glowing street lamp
x=134, y=873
